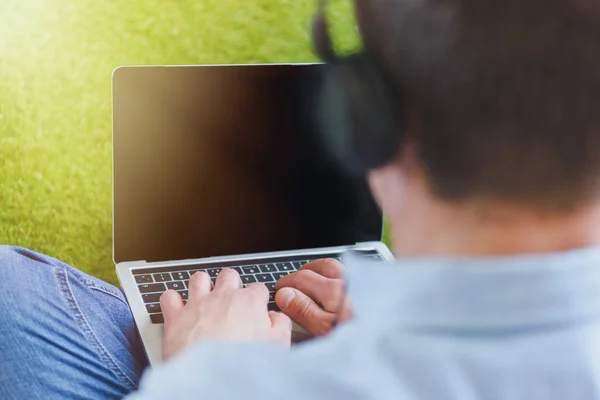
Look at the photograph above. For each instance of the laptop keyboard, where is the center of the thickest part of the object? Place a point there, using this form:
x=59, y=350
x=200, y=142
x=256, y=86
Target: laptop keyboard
x=152, y=282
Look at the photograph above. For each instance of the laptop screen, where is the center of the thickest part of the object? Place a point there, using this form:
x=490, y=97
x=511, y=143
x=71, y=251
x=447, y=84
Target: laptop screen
x=224, y=160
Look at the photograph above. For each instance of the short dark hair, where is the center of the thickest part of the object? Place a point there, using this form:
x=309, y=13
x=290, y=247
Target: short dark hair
x=506, y=93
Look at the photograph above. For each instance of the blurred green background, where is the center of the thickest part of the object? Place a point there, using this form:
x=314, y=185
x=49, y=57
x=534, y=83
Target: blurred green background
x=56, y=60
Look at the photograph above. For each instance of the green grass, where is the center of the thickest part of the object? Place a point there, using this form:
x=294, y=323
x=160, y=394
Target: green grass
x=56, y=60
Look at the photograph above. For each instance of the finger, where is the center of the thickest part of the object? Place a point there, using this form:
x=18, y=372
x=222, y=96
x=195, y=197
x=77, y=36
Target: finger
x=325, y=291
x=171, y=305
x=259, y=290
x=198, y=286
x=328, y=267
x=282, y=327
x=228, y=278
x=304, y=311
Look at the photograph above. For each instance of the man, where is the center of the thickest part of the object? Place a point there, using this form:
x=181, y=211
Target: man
x=494, y=204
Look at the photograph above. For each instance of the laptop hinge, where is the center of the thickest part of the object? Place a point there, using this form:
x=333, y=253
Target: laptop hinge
x=125, y=263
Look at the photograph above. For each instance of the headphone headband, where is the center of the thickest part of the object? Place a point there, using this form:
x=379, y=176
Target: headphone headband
x=322, y=43
x=357, y=108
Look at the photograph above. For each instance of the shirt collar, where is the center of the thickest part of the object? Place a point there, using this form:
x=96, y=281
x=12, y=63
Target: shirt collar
x=477, y=293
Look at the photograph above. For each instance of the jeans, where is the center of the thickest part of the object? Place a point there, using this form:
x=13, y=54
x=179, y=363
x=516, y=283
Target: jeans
x=63, y=334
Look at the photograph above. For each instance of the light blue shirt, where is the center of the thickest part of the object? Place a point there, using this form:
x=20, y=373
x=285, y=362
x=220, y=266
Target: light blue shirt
x=523, y=327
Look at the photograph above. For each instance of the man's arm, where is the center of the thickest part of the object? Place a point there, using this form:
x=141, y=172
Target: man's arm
x=224, y=343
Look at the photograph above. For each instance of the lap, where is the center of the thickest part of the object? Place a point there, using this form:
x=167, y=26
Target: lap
x=64, y=334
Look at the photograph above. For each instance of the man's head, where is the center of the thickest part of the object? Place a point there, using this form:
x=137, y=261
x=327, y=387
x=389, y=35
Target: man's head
x=504, y=101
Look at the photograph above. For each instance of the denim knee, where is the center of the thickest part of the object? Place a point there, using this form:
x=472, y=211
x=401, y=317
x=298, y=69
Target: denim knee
x=79, y=329
x=22, y=273
x=14, y=258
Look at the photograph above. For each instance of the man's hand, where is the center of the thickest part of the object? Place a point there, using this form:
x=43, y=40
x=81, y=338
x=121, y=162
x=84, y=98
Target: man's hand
x=313, y=295
x=227, y=312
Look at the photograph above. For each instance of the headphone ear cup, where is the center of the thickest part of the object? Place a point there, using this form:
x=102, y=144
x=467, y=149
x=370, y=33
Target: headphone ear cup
x=359, y=113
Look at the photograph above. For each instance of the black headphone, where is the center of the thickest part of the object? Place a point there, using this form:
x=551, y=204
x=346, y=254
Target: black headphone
x=358, y=107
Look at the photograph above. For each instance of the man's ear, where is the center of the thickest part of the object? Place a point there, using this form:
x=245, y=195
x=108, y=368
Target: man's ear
x=389, y=182
x=386, y=183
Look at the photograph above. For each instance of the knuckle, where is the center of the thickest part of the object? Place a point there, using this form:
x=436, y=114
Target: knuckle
x=304, y=309
x=322, y=327
x=199, y=276
x=229, y=272
x=257, y=288
x=329, y=261
x=333, y=288
x=331, y=266
x=222, y=296
x=303, y=274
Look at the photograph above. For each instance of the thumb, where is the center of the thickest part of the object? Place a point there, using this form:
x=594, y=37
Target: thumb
x=304, y=311
x=171, y=305
x=282, y=327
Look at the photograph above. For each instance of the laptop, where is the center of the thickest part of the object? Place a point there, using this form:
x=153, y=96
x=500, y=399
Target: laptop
x=221, y=166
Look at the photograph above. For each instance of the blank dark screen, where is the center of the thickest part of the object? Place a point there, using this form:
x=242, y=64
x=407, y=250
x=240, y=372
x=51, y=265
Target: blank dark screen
x=222, y=160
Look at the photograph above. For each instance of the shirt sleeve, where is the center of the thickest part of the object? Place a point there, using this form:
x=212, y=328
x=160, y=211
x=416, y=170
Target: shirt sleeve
x=224, y=370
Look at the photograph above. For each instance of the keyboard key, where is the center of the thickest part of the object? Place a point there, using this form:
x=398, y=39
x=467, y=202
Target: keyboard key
x=152, y=287
x=264, y=278
x=246, y=279
x=268, y=268
x=157, y=318
x=298, y=264
x=153, y=308
x=286, y=266
x=271, y=286
x=213, y=272
x=279, y=275
x=251, y=269
x=162, y=277
x=180, y=276
x=272, y=296
x=272, y=307
x=175, y=285
x=144, y=279
x=183, y=293
x=151, y=298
